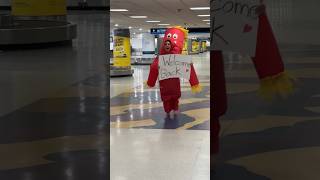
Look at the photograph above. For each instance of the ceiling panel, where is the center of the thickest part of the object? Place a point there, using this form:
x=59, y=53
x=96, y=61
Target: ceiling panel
x=173, y=12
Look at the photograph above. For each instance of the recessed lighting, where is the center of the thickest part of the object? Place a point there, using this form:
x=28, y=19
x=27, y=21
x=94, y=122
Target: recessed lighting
x=206, y=20
x=200, y=8
x=116, y=25
x=134, y=33
x=204, y=15
x=152, y=21
x=138, y=17
x=118, y=10
x=163, y=24
x=130, y=27
x=140, y=29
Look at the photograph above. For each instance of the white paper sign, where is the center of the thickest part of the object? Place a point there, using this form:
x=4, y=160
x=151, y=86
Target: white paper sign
x=234, y=24
x=174, y=66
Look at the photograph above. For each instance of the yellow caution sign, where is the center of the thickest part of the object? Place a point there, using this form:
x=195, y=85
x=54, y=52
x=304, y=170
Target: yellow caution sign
x=39, y=7
x=185, y=47
x=204, y=45
x=122, y=48
x=195, y=46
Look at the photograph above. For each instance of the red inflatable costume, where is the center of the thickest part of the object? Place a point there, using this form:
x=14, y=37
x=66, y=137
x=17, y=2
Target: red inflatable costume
x=170, y=88
x=274, y=80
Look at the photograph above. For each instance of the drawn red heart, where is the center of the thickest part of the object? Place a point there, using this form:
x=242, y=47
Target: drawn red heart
x=247, y=28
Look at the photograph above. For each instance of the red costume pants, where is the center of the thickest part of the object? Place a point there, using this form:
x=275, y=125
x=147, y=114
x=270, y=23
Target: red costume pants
x=171, y=104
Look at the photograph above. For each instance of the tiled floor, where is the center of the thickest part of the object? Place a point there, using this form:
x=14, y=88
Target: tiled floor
x=263, y=140
x=275, y=140
x=53, y=108
x=160, y=148
x=159, y=154
x=55, y=68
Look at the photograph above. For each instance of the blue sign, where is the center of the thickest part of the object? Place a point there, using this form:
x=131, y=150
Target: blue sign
x=158, y=30
x=191, y=30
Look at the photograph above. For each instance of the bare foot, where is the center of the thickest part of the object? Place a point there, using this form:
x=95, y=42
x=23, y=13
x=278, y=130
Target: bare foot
x=171, y=115
x=168, y=116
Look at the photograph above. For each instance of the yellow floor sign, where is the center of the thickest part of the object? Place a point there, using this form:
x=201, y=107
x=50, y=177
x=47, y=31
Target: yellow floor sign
x=39, y=7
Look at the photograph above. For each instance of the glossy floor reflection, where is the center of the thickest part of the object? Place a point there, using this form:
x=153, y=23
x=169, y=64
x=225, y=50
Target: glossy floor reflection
x=157, y=154
x=275, y=140
x=55, y=68
x=53, y=121
x=137, y=106
x=160, y=148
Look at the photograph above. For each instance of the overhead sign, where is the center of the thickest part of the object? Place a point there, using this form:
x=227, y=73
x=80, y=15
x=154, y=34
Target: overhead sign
x=174, y=66
x=235, y=25
x=158, y=30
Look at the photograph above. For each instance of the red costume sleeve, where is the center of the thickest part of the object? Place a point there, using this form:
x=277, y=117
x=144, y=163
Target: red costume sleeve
x=153, y=74
x=269, y=65
x=193, y=77
x=268, y=61
x=194, y=82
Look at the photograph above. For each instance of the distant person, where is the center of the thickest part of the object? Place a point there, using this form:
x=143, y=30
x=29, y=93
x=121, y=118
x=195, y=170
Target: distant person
x=170, y=88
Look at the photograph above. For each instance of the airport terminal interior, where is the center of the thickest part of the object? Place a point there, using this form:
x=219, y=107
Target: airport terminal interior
x=144, y=143
x=53, y=98
x=60, y=100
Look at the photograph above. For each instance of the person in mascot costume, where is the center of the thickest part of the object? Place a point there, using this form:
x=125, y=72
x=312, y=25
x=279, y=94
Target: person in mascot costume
x=170, y=90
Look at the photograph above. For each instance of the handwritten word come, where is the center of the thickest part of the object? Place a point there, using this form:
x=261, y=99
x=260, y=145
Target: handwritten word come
x=240, y=8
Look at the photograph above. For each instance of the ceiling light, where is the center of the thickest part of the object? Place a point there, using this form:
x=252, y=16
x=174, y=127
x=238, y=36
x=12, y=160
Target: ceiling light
x=200, y=8
x=204, y=15
x=116, y=25
x=130, y=27
x=152, y=21
x=163, y=24
x=206, y=20
x=138, y=17
x=118, y=10
x=140, y=29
